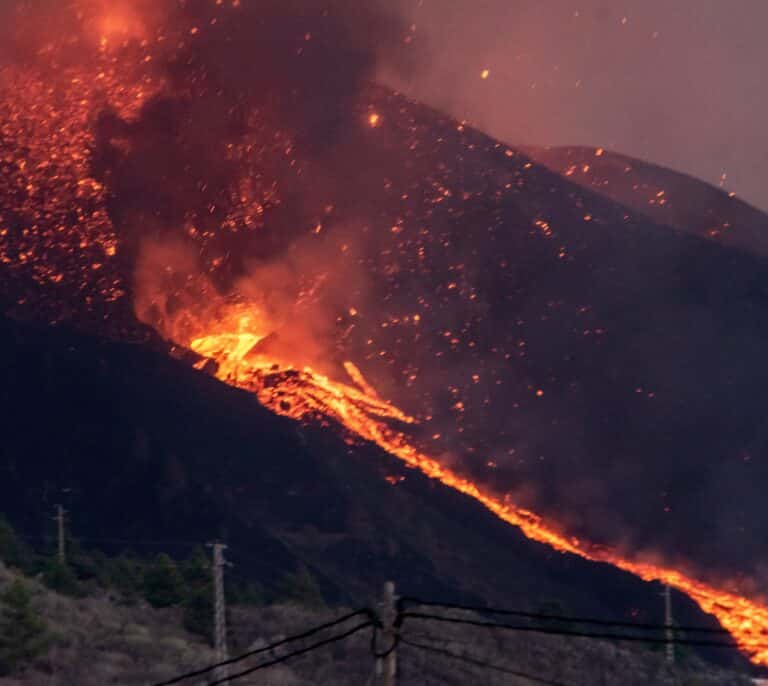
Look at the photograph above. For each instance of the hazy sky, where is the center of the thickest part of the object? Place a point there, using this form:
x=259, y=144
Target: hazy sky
x=683, y=83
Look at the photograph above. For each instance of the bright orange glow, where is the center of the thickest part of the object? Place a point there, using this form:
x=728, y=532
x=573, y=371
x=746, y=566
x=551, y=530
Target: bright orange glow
x=287, y=390
x=116, y=22
x=113, y=27
x=303, y=394
x=374, y=120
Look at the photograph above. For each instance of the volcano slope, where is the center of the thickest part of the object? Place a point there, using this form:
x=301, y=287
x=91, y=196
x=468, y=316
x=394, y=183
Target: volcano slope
x=605, y=370
x=146, y=452
x=596, y=367
x=664, y=196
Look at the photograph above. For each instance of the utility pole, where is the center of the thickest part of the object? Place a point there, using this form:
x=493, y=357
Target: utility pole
x=668, y=624
x=60, y=512
x=219, y=609
x=386, y=666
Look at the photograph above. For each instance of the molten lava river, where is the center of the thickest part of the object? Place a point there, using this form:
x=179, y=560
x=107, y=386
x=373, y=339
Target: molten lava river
x=63, y=243
x=232, y=343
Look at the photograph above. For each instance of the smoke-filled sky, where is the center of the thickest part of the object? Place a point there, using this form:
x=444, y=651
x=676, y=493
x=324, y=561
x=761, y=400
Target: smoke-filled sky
x=677, y=83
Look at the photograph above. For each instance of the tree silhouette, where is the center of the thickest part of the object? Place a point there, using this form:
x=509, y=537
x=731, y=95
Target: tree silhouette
x=23, y=633
x=163, y=583
x=300, y=587
x=198, y=592
x=12, y=551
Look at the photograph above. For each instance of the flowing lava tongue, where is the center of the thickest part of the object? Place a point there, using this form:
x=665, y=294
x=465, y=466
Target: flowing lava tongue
x=305, y=394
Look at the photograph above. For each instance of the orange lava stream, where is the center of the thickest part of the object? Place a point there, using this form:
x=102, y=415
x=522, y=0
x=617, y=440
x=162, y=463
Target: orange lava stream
x=305, y=394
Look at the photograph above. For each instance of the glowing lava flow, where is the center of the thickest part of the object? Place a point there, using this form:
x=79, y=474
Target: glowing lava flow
x=304, y=394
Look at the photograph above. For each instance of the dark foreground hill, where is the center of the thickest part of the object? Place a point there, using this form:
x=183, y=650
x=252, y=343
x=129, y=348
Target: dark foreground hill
x=100, y=640
x=143, y=449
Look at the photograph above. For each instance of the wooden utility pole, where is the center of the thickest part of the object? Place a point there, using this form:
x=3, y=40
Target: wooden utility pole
x=668, y=624
x=386, y=666
x=219, y=609
x=60, y=512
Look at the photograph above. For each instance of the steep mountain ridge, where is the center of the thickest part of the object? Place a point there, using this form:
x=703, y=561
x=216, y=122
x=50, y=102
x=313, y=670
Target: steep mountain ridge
x=144, y=449
x=667, y=197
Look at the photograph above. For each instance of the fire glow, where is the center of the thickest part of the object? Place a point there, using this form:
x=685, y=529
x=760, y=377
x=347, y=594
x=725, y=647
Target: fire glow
x=66, y=236
x=303, y=394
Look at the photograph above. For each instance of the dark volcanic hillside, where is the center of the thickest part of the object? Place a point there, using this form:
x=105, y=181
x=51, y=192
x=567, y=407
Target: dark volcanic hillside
x=141, y=448
x=579, y=357
x=605, y=370
x=665, y=196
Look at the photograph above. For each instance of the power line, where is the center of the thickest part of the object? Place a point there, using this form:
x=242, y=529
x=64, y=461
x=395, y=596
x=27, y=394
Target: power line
x=479, y=663
x=296, y=653
x=565, y=618
x=567, y=632
x=273, y=646
x=401, y=616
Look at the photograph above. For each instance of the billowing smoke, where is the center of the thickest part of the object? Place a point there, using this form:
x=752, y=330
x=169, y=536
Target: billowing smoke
x=257, y=113
x=677, y=84
x=253, y=142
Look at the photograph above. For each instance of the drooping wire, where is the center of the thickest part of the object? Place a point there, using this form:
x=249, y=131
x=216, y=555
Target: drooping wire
x=403, y=615
x=564, y=618
x=479, y=663
x=294, y=654
x=380, y=655
x=266, y=649
x=568, y=632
